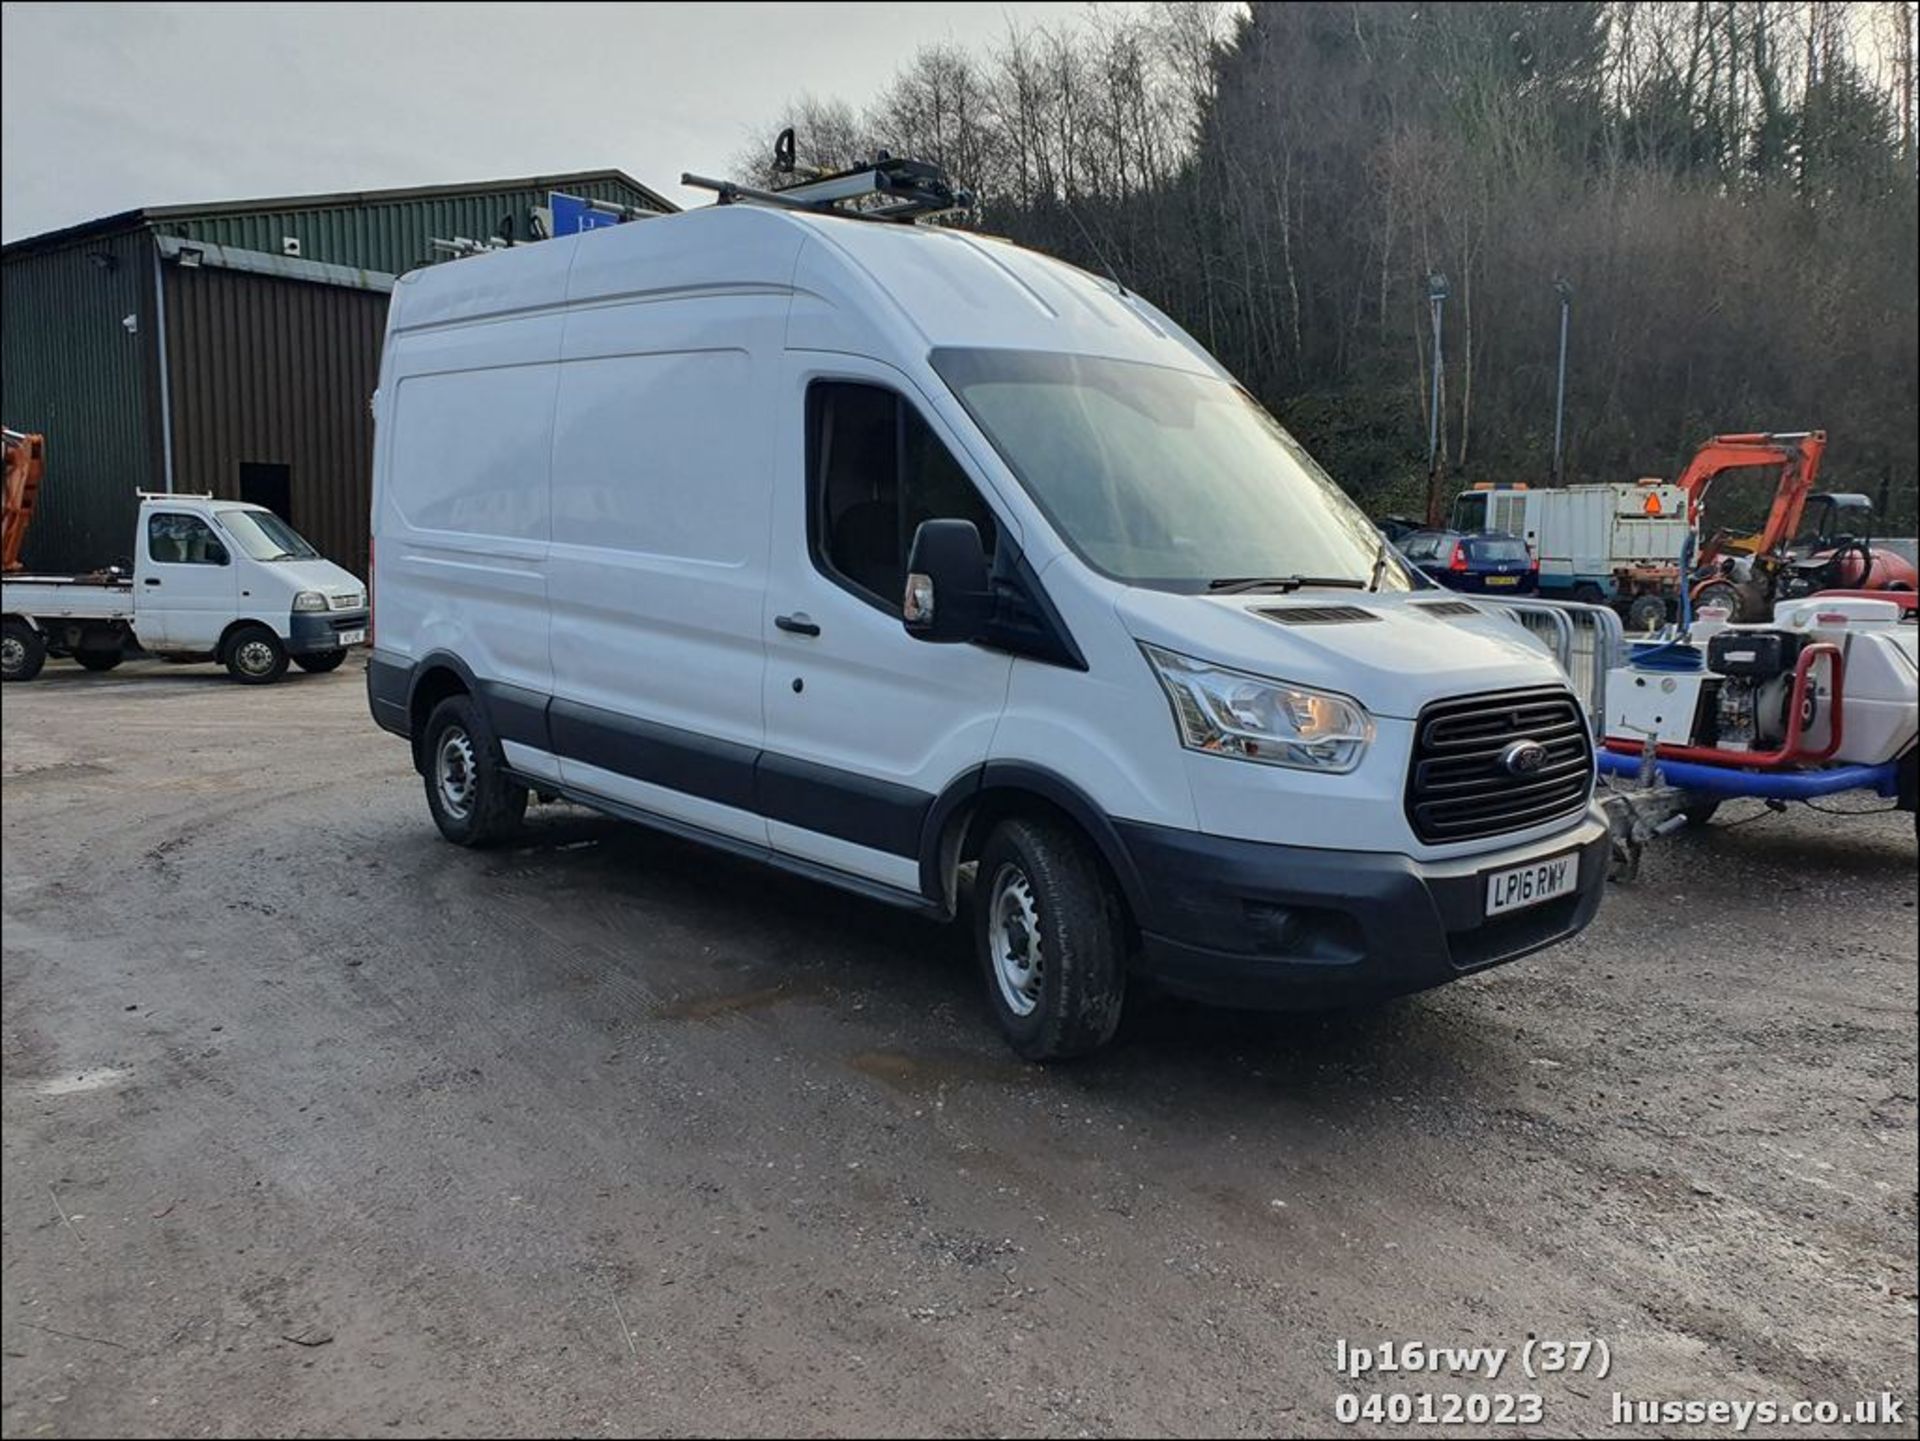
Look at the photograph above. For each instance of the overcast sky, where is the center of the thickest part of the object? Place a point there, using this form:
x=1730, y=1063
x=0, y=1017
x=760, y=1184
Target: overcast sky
x=109, y=107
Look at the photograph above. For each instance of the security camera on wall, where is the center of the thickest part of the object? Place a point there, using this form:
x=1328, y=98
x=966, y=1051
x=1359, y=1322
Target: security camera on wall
x=131, y=323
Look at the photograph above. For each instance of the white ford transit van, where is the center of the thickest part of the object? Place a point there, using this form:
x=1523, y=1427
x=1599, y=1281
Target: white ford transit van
x=880, y=551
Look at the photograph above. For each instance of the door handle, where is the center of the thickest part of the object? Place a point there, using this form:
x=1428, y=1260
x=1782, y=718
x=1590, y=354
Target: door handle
x=799, y=623
x=153, y=580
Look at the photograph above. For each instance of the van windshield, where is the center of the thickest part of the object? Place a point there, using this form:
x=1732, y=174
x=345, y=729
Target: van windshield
x=264, y=536
x=1163, y=478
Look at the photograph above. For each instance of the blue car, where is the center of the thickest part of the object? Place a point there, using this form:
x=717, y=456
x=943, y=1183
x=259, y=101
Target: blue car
x=1480, y=563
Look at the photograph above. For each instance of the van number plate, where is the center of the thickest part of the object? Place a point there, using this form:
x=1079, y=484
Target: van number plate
x=353, y=637
x=1529, y=885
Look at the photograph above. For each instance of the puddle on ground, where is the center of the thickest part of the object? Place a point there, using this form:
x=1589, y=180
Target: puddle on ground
x=703, y=1008
x=916, y=1074
x=85, y=1081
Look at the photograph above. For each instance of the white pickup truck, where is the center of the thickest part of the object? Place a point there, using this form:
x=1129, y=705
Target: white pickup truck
x=212, y=580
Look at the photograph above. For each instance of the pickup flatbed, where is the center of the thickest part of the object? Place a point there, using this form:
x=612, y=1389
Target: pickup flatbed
x=70, y=597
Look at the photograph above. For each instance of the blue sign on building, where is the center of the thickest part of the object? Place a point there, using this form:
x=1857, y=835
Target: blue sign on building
x=571, y=214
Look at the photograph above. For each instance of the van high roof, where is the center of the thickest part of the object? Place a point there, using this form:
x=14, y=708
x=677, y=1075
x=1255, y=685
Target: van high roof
x=855, y=285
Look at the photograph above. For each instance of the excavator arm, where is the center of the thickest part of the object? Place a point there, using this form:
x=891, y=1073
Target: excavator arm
x=26, y=457
x=1797, y=454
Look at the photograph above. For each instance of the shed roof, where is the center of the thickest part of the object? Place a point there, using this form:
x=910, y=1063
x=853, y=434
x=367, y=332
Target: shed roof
x=351, y=199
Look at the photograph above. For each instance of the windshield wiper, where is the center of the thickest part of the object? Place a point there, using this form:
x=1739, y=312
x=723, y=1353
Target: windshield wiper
x=1236, y=584
x=1379, y=567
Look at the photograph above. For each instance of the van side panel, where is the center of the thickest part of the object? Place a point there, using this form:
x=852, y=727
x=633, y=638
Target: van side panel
x=661, y=492
x=462, y=521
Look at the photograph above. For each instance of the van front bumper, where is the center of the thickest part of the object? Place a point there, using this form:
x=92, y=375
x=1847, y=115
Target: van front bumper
x=312, y=631
x=1244, y=923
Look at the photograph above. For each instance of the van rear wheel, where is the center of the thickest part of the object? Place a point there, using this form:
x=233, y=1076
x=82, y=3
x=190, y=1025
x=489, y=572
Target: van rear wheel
x=98, y=660
x=473, y=799
x=1051, y=940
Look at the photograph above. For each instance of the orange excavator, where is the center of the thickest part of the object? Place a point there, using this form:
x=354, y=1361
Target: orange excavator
x=26, y=457
x=1748, y=574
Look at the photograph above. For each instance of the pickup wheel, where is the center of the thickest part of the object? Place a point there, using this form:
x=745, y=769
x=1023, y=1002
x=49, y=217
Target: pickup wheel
x=98, y=660
x=473, y=799
x=320, y=661
x=1051, y=938
x=1647, y=613
x=255, y=656
x=1721, y=593
x=22, y=651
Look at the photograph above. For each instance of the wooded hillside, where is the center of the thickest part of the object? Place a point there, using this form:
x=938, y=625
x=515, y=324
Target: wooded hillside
x=1729, y=189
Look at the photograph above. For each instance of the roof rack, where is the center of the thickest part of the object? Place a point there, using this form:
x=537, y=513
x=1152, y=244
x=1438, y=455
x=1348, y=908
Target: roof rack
x=912, y=189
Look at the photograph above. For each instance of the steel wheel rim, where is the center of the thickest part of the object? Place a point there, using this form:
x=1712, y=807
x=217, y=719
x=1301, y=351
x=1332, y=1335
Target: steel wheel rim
x=13, y=654
x=1013, y=940
x=1725, y=595
x=453, y=772
x=255, y=657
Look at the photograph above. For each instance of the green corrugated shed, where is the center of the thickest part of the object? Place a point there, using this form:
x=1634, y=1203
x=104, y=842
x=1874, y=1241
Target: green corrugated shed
x=82, y=312
x=77, y=364
x=388, y=230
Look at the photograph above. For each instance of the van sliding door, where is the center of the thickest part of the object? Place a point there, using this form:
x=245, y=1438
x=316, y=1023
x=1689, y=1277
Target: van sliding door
x=659, y=566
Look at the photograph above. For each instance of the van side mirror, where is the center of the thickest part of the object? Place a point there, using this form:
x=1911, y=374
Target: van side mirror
x=217, y=553
x=947, y=599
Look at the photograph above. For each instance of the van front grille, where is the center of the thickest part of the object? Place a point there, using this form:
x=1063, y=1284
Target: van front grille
x=1460, y=787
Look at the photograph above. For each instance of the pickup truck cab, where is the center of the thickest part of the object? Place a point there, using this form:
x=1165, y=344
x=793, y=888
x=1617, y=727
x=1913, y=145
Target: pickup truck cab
x=215, y=580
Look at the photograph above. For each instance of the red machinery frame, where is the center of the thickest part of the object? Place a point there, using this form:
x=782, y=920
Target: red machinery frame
x=1789, y=753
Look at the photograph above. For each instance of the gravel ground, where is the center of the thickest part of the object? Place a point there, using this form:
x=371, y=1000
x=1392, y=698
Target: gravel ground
x=316, y=1124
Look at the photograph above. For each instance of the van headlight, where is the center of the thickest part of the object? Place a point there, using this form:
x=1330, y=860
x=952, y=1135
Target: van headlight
x=1230, y=713
x=310, y=600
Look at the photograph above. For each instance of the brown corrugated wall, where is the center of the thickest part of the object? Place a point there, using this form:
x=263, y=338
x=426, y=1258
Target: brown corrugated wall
x=281, y=372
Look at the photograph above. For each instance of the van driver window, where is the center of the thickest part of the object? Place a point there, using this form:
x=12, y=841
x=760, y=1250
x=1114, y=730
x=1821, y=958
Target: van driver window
x=875, y=471
x=175, y=539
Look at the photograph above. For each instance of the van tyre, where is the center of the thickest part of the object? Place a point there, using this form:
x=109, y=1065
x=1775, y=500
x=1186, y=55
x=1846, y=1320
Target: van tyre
x=22, y=651
x=1051, y=939
x=473, y=799
x=320, y=661
x=98, y=660
x=255, y=656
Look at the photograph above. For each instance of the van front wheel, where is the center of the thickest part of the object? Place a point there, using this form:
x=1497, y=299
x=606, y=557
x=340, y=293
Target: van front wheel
x=473, y=800
x=1048, y=928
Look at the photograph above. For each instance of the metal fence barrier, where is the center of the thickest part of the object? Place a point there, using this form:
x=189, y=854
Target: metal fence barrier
x=1587, y=641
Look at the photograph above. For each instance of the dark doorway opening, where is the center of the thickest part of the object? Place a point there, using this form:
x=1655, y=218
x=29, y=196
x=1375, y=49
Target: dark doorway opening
x=268, y=485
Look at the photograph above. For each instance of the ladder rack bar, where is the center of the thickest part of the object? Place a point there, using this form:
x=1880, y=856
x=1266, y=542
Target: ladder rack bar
x=729, y=192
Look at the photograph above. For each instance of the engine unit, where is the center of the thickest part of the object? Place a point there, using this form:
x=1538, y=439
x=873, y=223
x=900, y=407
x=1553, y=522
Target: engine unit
x=1741, y=696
